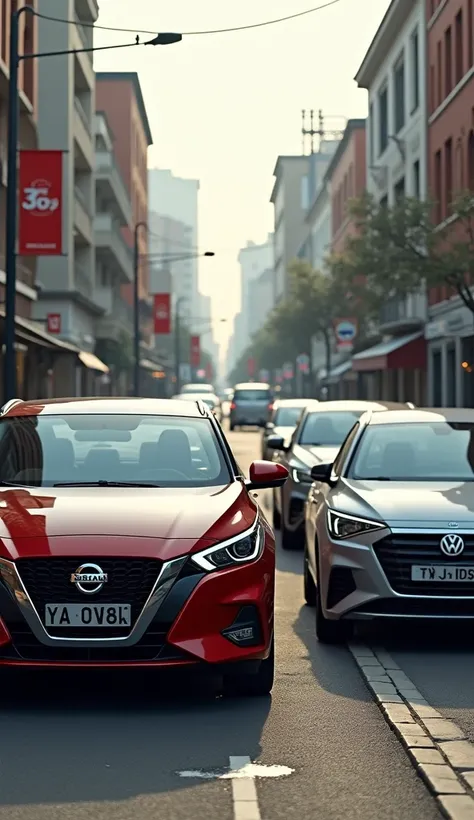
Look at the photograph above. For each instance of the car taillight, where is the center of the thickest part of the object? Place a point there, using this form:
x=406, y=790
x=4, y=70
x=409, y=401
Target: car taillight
x=233, y=405
x=270, y=406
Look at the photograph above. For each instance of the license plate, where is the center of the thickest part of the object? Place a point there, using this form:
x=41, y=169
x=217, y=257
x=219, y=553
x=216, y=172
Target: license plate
x=446, y=573
x=87, y=615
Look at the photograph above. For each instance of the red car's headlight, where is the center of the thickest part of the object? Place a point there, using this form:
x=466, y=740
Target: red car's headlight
x=242, y=549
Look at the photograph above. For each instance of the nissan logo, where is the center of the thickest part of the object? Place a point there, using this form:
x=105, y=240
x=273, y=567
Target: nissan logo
x=452, y=544
x=89, y=578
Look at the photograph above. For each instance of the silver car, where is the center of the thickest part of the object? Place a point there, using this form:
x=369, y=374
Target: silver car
x=251, y=406
x=390, y=523
x=284, y=419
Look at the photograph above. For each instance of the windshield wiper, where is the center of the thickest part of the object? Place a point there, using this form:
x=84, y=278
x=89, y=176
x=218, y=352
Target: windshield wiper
x=103, y=483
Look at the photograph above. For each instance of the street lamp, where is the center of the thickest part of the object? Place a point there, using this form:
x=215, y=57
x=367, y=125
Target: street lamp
x=159, y=257
x=166, y=38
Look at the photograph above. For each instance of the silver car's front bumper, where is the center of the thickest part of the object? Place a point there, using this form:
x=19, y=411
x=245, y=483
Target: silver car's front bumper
x=370, y=577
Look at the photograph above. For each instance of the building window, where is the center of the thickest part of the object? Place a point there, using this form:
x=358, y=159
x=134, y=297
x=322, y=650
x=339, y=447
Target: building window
x=416, y=179
x=439, y=53
x=399, y=95
x=470, y=33
x=438, y=187
x=470, y=161
x=399, y=190
x=415, y=70
x=383, y=120
x=458, y=47
x=448, y=170
x=448, y=64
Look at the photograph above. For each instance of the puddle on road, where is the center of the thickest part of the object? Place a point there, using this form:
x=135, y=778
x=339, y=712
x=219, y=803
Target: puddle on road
x=249, y=770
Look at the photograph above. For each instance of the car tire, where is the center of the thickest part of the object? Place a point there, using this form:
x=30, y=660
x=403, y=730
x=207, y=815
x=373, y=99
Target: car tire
x=310, y=590
x=276, y=516
x=258, y=684
x=330, y=632
x=232, y=427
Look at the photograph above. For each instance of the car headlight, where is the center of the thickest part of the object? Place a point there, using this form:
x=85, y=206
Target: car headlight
x=242, y=549
x=343, y=526
x=300, y=473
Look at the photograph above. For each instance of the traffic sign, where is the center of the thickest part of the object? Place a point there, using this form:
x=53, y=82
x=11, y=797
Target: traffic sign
x=346, y=332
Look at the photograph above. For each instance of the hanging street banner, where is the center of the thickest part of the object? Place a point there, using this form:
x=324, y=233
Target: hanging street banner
x=195, y=351
x=346, y=332
x=251, y=368
x=40, y=218
x=53, y=322
x=162, y=313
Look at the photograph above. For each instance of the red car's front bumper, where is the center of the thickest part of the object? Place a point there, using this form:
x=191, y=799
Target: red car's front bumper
x=200, y=621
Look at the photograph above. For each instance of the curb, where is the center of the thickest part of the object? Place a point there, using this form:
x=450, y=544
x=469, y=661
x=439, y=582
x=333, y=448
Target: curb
x=439, y=750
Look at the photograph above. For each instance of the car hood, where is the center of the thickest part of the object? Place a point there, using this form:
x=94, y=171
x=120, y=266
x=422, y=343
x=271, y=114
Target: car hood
x=315, y=455
x=410, y=503
x=146, y=522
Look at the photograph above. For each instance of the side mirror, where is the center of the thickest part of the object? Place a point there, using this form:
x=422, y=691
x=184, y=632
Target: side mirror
x=265, y=475
x=276, y=443
x=322, y=473
x=269, y=425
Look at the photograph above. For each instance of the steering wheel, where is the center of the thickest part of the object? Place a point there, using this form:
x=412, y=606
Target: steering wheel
x=152, y=472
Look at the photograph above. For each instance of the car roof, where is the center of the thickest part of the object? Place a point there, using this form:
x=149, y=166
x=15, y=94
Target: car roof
x=425, y=414
x=104, y=404
x=293, y=403
x=356, y=406
x=252, y=386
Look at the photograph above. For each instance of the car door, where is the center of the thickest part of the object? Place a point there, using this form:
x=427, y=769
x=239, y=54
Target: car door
x=318, y=493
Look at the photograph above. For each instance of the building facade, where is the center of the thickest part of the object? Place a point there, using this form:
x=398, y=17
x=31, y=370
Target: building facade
x=290, y=200
x=254, y=259
x=120, y=97
x=66, y=109
x=346, y=179
x=449, y=332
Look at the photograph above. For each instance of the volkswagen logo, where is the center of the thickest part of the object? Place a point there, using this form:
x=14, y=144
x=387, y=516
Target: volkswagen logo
x=89, y=578
x=452, y=544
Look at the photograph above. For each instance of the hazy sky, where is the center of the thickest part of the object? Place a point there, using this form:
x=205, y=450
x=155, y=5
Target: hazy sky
x=222, y=107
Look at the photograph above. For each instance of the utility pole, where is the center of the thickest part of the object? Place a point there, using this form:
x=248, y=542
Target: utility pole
x=308, y=129
x=136, y=307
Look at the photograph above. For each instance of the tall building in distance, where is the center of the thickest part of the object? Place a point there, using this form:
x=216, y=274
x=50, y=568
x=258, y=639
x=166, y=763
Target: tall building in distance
x=66, y=110
x=254, y=260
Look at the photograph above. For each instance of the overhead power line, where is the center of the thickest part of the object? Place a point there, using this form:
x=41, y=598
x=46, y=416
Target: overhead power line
x=192, y=33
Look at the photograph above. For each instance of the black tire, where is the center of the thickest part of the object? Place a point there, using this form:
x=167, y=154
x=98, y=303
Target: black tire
x=232, y=427
x=310, y=591
x=330, y=632
x=259, y=684
x=276, y=517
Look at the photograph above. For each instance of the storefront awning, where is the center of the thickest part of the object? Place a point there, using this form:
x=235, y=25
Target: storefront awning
x=92, y=362
x=402, y=353
x=337, y=371
x=29, y=331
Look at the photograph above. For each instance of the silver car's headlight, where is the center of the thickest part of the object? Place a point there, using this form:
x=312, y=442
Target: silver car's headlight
x=242, y=549
x=341, y=525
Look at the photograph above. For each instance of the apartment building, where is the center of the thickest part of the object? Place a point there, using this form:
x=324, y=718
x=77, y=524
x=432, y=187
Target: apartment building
x=119, y=96
x=290, y=200
x=451, y=169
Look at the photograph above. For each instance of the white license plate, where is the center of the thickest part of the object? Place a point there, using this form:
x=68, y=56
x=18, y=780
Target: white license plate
x=106, y=615
x=439, y=573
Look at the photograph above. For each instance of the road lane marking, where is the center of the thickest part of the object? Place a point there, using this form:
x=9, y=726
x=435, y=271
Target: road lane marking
x=438, y=749
x=244, y=790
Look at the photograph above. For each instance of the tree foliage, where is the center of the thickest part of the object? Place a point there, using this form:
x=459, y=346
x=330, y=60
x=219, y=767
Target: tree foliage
x=399, y=249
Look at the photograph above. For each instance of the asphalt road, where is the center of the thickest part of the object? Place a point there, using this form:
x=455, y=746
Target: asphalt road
x=103, y=747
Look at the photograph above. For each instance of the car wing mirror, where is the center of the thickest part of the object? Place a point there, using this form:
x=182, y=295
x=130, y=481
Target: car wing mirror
x=276, y=443
x=322, y=473
x=265, y=475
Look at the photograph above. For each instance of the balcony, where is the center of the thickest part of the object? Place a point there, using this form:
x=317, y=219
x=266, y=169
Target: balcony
x=87, y=10
x=118, y=318
x=111, y=246
x=110, y=184
x=403, y=315
x=83, y=282
x=83, y=137
x=84, y=234
x=83, y=67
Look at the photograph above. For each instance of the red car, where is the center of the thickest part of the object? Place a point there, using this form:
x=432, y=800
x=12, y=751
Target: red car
x=128, y=537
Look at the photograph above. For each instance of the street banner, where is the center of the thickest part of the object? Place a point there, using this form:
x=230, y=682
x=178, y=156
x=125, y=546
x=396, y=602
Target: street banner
x=162, y=313
x=40, y=187
x=195, y=351
x=345, y=331
x=53, y=321
x=251, y=367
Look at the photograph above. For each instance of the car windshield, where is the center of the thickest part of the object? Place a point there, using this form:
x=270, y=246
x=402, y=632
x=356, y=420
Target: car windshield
x=327, y=429
x=158, y=450
x=287, y=416
x=197, y=388
x=252, y=395
x=437, y=451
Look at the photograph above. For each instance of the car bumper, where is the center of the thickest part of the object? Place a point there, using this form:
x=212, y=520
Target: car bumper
x=371, y=580
x=190, y=621
x=250, y=418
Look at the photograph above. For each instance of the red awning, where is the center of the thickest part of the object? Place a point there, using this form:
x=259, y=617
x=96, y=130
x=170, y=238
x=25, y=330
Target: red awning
x=403, y=353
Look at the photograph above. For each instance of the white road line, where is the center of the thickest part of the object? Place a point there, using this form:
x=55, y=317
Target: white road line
x=244, y=791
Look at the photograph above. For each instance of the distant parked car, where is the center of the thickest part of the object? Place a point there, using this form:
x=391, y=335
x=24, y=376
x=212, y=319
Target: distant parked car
x=198, y=388
x=251, y=405
x=285, y=416
x=210, y=399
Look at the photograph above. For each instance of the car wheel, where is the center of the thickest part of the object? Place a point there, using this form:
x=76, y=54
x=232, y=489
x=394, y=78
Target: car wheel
x=257, y=685
x=232, y=427
x=276, y=516
x=310, y=590
x=332, y=632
